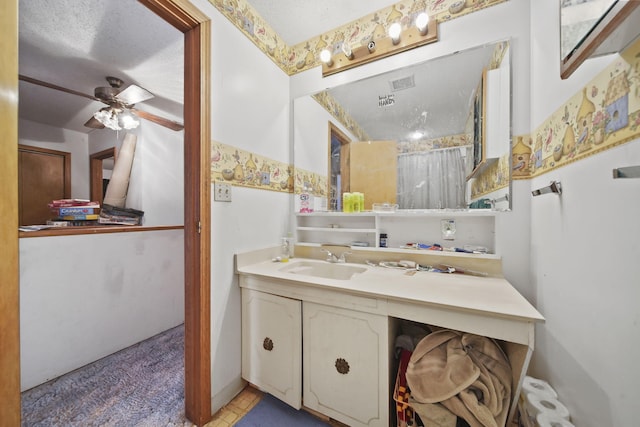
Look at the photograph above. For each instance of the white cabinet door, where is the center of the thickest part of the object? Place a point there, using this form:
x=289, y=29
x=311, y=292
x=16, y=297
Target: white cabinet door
x=272, y=344
x=345, y=365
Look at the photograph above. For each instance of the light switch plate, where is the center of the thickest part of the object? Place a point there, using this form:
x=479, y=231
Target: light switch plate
x=221, y=191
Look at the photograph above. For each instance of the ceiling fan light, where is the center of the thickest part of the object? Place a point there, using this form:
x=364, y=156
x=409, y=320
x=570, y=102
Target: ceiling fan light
x=107, y=117
x=128, y=120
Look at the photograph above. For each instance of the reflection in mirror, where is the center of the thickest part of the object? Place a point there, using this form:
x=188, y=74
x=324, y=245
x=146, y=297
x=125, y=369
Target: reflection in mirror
x=435, y=135
x=591, y=28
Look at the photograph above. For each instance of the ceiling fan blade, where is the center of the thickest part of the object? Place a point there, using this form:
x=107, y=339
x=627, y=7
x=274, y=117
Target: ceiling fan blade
x=56, y=87
x=94, y=123
x=133, y=94
x=158, y=120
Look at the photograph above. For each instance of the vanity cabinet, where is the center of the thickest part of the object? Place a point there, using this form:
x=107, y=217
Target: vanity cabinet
x=272, y=344
x=345, y=364
x=332, y=341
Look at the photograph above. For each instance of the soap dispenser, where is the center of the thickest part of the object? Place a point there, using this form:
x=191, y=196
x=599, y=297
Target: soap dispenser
x=284, y=250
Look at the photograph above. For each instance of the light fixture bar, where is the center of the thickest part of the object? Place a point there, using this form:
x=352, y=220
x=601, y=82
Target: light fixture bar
x=409, y=38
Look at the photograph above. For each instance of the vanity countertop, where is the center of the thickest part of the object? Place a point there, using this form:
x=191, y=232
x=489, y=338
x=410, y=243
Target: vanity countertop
x=489, y=296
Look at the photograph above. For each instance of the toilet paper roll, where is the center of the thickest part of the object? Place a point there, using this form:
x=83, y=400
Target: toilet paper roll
x=537, y=404
x=536, y=386
x=551, y=420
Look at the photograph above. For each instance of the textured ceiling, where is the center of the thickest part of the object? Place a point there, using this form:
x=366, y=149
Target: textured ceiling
x=76, y=44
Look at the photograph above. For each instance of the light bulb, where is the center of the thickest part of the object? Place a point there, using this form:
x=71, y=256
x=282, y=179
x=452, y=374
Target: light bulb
x=422, y=22
x=128, y=121
x=107, y=117
x=325, y=56
x=346, y=49
x=394, y=32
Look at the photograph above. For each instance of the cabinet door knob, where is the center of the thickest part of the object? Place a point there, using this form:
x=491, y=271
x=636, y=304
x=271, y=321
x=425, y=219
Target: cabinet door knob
x=267, y=344
x=342, y=366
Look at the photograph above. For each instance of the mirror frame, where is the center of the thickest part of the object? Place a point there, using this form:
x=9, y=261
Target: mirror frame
x=614, y=18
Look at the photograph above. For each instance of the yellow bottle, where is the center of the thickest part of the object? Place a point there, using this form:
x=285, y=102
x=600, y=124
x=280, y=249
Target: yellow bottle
x=347, y=203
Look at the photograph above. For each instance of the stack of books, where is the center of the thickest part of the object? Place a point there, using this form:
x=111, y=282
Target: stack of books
x=74, y=212
x=121, y=216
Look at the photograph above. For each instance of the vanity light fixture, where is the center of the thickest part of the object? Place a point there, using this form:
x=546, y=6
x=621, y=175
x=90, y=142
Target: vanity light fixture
x=398, y=40
x=394, y=32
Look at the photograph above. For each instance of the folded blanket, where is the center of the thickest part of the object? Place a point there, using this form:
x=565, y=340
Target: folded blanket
x=468, y=374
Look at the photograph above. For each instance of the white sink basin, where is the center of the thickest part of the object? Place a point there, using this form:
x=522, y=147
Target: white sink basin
x=325, y=270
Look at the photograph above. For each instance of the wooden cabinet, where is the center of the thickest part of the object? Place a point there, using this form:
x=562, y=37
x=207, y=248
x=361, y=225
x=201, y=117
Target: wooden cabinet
x=345, y=364
x=272, y=344
x=345, y=357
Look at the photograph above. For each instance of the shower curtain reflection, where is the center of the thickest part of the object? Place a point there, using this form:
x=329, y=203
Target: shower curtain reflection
x=433, y=179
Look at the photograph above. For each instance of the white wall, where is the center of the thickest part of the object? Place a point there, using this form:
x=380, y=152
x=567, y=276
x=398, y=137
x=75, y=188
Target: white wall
x=310, y=130
x=157, y=175
x=584, y=257
x=249, y=110
x=86, y=296
x=53, y=138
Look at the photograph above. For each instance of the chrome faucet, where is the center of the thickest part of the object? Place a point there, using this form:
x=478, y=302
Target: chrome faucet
x=335, y=258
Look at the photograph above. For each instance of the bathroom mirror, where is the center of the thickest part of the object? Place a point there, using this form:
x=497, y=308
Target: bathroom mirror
x=590, y=28
x=420, y=137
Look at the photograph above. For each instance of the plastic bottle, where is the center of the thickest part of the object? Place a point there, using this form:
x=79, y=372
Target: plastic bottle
x=347, y=203
x=383, y=240
x=284, y=250
x=355, y=202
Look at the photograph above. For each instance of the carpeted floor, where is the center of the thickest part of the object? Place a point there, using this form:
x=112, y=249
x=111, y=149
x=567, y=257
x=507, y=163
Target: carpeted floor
x=142, y=385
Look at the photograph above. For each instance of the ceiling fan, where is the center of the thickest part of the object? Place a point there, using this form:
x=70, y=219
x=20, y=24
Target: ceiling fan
x=119, y=112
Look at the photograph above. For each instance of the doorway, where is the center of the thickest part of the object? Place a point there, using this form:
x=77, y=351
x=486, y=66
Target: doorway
x=98, y=163
x=339, y=167
x=43, y=175
x=197, y=231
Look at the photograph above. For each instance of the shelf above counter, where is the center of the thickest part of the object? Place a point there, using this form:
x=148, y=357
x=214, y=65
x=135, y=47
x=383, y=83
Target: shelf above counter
x=338, y=229
x=437, y=213
x=474, y=228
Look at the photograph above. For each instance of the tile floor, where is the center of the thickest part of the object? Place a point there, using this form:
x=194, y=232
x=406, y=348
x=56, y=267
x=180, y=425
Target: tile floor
x=234, y=410
x=240, y=405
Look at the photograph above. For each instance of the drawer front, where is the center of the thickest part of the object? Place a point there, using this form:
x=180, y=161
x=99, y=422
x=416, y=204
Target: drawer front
x=345, y=364
x=272, y=344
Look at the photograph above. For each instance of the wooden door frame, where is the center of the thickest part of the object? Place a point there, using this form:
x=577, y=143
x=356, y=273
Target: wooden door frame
x=95, y=172
x=9, y=285
x=197, y=231
x=197, y=198
x=345, y=142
